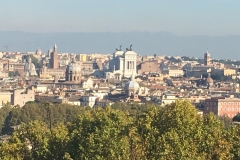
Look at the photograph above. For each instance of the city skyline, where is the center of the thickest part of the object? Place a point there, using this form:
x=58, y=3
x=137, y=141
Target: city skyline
x=183, y=18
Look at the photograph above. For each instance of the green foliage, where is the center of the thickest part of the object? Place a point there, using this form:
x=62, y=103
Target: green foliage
x=236, y=118
x=13, y=73
x=4, y=113
x=226, y=120
x=100, y=134
x=44, y=112
x=124, y=131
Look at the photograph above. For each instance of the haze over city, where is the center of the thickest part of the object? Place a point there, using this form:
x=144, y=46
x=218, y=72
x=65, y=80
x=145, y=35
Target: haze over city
x=153, y=27
x=129, y=79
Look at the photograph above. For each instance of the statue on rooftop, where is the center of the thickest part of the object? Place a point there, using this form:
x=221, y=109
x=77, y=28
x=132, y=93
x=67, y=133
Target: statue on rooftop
x=120, y=48
x=130, y=48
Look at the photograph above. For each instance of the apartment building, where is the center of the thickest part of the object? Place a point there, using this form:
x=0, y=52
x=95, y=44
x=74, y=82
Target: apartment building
x=221, y=106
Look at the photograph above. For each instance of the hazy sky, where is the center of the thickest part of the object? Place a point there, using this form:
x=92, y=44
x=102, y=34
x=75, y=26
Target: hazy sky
x=182, y=17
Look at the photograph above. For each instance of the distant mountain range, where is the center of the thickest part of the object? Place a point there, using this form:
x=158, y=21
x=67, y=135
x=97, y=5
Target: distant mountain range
x=144, y=43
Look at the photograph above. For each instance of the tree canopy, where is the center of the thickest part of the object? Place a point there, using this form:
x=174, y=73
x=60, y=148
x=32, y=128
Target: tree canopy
x=124, y=131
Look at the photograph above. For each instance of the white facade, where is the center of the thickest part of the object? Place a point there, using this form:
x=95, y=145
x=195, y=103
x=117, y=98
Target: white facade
x=88, y=83
x=41, y=88
x=77, y=103
x=124, y=63
x=175, y=72
x=101, y=95
x=168, y=99
x=88, y=101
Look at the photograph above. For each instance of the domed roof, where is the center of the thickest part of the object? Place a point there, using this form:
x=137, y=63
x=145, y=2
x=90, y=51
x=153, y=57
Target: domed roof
x=132, y=84
x=73, y=67
x=209, y=79
x=38, y=51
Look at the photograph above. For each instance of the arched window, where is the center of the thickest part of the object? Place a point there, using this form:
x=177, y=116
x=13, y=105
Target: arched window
x=74, y=78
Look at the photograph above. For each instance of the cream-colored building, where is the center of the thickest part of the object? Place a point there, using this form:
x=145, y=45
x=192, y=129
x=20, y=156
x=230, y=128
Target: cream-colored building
x=88, y=83
x=50, y=73
x=88, y=101
x=173, y=72
x=40, y=88
x=3, y=74
x=229, y=72
x=83, y=57
x=5, y=97
x=168, y=99
x=22, y=96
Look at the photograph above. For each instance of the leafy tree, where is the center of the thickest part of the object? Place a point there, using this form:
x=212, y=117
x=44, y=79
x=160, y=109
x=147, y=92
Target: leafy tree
x=100, y=134
x=214, y=144
x=11, y=74
x=126, y=131
x=36, y=141
x=236, y=118
x=44, y=112
x=233, y=136
x=176, y=131
x=226, y=120
x=4, y=113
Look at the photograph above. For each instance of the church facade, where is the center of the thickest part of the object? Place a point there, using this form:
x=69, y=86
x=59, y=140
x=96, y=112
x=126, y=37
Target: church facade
x=123, y=63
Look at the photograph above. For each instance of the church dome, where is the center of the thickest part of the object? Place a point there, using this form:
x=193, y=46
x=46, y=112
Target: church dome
x=73, y=67
x=38, y=51
x=209, y=79
x=132, y=84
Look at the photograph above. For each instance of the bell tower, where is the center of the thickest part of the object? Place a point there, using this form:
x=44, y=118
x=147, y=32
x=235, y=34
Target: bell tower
x=54, y=58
